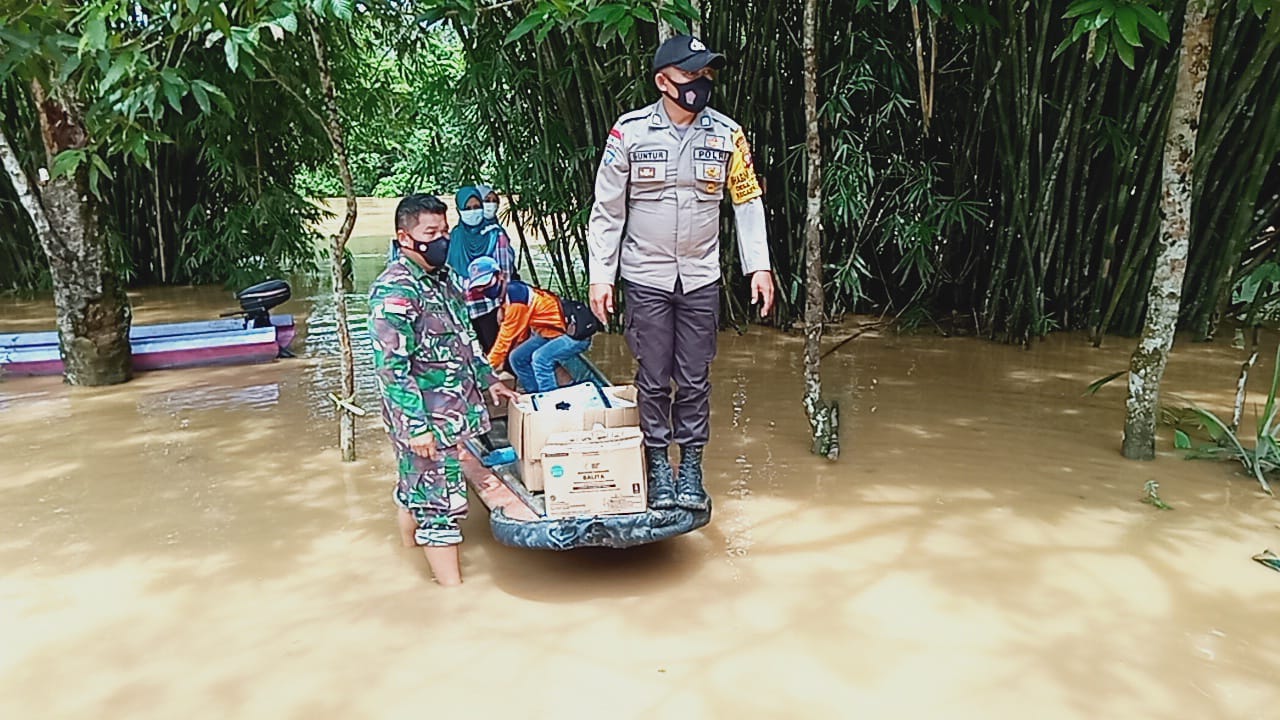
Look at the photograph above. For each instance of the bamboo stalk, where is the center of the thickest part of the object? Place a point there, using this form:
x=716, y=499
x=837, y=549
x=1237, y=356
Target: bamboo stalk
x=334, y=128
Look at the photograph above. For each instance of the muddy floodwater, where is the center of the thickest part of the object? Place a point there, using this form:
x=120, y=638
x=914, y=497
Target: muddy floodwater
x=189, y=545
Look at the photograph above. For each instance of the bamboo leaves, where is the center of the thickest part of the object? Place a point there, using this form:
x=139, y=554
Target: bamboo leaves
x=1124, y=49
x=175, y=87
x=95, y=34
x=1115, y=23
x=338, y=9
x=535, y=19
x=1126, y=21
x=1261, y=8
x=1152, y=21
x=617, y=19
x=67, y=162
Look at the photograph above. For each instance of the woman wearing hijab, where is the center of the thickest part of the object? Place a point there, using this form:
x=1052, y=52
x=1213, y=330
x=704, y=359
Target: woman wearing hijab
x=475, y=237
x=491, y=203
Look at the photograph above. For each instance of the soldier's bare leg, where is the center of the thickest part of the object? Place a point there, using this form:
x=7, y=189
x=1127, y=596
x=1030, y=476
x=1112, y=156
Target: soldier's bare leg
x=408, y=526
x=433, y=493
x=446, y=564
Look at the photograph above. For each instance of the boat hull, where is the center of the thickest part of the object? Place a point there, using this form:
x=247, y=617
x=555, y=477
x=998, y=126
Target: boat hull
x=607, y=531
x=283, y=324
x=160, y=347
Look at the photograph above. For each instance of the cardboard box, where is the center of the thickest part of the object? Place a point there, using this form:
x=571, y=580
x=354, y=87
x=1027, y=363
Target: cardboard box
x=528, y=431
x=582, y=396
x=597, y=472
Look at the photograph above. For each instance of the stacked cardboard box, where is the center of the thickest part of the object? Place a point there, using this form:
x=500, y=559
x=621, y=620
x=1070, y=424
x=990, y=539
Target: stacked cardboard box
x=596, y=472
x=528, y=430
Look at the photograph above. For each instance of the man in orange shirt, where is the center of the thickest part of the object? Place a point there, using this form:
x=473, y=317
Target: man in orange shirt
x=535, y=334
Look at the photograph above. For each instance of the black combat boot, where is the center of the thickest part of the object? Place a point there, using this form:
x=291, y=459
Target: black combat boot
x=689, y=492
x=662, y=491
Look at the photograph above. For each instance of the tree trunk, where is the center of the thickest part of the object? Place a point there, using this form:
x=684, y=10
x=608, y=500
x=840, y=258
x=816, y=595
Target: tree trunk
x=823, y=418
x=93, y=314
x=333, y=126
x=1165, y=297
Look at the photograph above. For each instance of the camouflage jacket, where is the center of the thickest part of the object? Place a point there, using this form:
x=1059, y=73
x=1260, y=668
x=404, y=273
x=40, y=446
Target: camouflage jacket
x=429, y=365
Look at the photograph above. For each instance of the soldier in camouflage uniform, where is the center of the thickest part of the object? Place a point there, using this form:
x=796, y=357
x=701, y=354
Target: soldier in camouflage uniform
x=432, y=375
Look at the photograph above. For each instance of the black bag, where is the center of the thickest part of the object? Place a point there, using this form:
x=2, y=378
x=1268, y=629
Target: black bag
x=580, y=322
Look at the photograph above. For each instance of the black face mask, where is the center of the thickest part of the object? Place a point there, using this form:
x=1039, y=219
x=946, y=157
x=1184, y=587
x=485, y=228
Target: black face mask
x=692, y=96
x=435, y=252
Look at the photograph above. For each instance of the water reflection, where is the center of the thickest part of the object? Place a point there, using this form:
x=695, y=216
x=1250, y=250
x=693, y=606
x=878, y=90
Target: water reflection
x=264, y=396
x=23, y=396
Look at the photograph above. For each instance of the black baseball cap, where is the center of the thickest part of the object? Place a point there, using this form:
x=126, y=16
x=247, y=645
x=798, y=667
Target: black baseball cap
x=687, y=53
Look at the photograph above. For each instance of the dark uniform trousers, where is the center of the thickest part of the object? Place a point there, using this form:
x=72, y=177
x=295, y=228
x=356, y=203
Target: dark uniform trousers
x=673, y=337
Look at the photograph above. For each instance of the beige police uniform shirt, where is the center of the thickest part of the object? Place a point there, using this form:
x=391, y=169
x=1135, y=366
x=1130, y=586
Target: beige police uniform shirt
x=656, y=215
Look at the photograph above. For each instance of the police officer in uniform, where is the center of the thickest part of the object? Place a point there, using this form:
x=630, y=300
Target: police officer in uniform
x=665, y=172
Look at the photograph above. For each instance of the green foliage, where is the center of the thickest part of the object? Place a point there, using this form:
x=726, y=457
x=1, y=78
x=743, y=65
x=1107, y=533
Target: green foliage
x=1181, y=440
x=610, y=20
x=1255, y=298
x=1117, y=24
x=1151, y=496
x=178, y=118
x=1263, y=458
x=1103, y=381
x=1258, y=286
x=120, y=60
x=337, y=9
x=884, y=199
x=407, y=132
x=232, y=240
x=1033, y=202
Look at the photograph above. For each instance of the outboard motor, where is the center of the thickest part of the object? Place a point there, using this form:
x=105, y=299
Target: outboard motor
x=256, y=302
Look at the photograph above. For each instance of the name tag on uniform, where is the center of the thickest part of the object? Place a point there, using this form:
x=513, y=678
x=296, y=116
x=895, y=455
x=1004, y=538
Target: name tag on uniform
x=648, y=165
x=644, y=156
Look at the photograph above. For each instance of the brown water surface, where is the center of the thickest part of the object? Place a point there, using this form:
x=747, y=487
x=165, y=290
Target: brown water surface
x=188, y=545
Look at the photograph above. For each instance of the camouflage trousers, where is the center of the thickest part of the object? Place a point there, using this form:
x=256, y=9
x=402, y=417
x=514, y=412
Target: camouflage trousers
x=435, y=494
